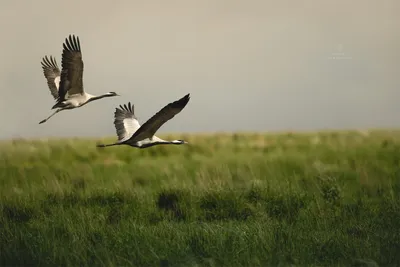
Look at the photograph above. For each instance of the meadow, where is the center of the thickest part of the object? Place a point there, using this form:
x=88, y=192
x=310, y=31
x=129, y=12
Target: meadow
x=243, y=199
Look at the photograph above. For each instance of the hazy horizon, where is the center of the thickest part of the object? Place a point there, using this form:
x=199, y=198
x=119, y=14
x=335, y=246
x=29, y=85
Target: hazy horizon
x=249, y=66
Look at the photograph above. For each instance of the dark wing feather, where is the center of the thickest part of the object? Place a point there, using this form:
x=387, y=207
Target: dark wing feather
x=72, y=68
x=150, y=127
x=52, y=74
x=125, y=121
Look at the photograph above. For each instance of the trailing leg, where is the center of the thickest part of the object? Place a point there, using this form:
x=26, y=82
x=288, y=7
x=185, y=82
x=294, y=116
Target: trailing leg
x=54, y=113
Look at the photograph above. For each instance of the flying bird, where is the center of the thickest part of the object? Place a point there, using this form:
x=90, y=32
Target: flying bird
x=66, y=86
x=130, y=132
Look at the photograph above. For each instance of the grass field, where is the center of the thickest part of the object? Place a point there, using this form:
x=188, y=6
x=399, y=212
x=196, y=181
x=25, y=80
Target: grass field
x=329, y=198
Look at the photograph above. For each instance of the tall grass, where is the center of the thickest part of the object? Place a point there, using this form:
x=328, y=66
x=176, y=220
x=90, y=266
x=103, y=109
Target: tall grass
x=328, y=198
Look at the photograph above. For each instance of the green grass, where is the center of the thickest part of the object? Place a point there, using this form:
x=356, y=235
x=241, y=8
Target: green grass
x=328, y=198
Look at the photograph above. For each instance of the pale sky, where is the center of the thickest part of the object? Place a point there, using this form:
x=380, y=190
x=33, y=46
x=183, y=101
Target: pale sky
x=254, y=65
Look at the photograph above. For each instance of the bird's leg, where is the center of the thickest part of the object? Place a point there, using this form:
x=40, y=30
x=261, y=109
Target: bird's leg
x=54, y=113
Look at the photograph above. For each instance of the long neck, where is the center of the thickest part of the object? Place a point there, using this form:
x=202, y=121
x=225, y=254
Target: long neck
x=98, y=97
x=166, y=143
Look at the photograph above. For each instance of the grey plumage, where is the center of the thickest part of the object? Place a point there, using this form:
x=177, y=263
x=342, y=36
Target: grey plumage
x=67, y=86
x=130, y=132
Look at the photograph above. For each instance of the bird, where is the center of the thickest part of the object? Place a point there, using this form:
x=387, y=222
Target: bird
x=130, y=132
x=66, y=86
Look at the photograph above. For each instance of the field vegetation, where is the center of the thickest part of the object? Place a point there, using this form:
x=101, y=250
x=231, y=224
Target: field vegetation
x=306, y=199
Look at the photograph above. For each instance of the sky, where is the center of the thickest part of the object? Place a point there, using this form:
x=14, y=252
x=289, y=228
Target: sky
x=254, y=65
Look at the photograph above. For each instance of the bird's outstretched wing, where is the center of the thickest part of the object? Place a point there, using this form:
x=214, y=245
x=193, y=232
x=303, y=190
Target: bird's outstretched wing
x=52, y=74
x=150, y=127
x=72, y=69
x=125, y=122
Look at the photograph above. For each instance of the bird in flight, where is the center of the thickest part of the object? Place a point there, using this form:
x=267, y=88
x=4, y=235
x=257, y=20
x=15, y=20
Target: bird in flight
x=66, y=86
x=130, y=132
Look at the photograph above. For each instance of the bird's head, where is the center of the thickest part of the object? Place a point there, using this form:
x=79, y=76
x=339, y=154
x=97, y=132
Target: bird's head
x=179, y=142
x=112, y=94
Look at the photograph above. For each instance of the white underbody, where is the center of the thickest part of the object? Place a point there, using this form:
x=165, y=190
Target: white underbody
x=146, y=141
x=154, y=139
x=76, y=100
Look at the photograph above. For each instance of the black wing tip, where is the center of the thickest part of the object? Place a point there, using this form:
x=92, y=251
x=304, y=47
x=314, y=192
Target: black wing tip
x=186, y=97
x=72, y=37
x=49, y=62
x=72, y=43
x=180, y=103
x=130, y=106
x=183, y=101
x=125, y=107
